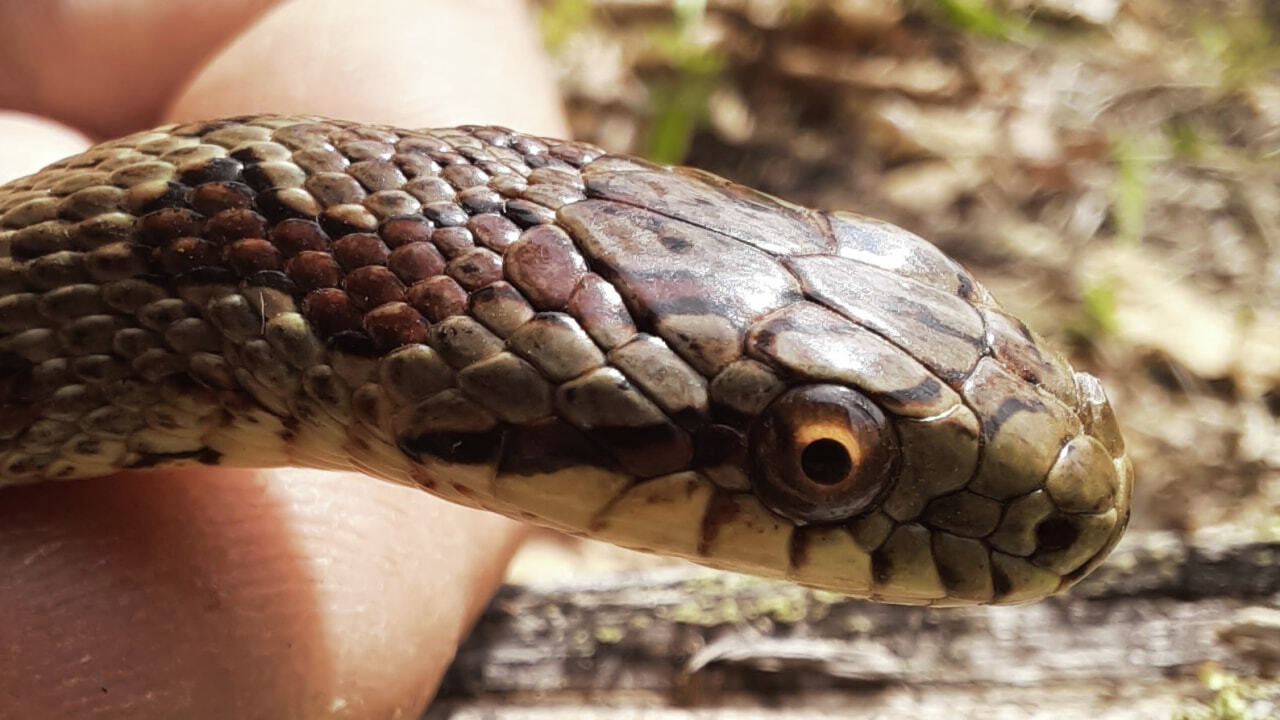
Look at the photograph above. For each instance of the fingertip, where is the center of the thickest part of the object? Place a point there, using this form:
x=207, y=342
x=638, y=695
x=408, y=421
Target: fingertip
x=110, y=66
x=31, y=142
x=215, y=592
x=408, y=64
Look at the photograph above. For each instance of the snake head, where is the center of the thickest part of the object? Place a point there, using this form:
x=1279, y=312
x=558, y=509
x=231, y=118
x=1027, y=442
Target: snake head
x=962, y=454
x=873, y=422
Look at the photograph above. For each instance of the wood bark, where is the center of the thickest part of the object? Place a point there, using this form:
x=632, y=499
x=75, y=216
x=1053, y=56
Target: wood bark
x=686, y=643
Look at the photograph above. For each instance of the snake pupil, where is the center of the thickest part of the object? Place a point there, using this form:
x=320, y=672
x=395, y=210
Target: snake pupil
x=825, y=461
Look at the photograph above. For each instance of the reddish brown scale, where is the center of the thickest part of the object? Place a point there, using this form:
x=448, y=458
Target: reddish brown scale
x=187, y=253
x=313, y=269
x=372, y=286
x=438, y=297
x=453, y=241
x=416, y=261
x=331, y=311
x=358, y=250
x=476, y=268
x=161, y=227
x=493, y=231
x=395, y=324
x=296, y=236
x=546, y=267
x=236, y=224
x=215, y=197
x=252, y=255
x=349, y=218
x=405, y=230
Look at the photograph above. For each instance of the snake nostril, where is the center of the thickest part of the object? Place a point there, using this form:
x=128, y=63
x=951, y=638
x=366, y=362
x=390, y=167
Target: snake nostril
x=825, y=461
x=1056, y=533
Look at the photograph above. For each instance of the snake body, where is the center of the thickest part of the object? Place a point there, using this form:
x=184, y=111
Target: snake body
x=648, y=355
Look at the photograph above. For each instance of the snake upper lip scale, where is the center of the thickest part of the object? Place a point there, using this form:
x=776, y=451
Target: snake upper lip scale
x=648, y=355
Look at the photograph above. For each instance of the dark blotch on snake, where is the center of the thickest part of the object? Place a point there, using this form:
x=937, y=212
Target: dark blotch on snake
x=455, y=447
x=1056, y=533
x=721, y=510
x=549, y=446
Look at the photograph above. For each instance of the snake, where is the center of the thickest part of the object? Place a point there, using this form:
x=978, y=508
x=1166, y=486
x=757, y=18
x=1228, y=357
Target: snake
x=649, y=355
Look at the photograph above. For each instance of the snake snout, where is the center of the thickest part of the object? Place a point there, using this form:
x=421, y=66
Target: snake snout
x=1090, y=484
x=1083, y=507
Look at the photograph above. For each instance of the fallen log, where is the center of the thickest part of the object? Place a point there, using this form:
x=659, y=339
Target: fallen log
x=681, y=638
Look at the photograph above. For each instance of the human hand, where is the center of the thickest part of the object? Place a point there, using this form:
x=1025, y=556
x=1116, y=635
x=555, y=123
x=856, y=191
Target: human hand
x=217, y=592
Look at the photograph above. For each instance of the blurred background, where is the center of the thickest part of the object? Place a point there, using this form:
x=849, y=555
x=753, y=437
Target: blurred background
x=1110, y=169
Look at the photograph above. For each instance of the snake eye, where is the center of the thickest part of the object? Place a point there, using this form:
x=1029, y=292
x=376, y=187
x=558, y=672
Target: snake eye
x=822, y=453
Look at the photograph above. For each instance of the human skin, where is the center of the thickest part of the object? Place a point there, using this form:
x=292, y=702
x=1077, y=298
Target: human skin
x=219, y=592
